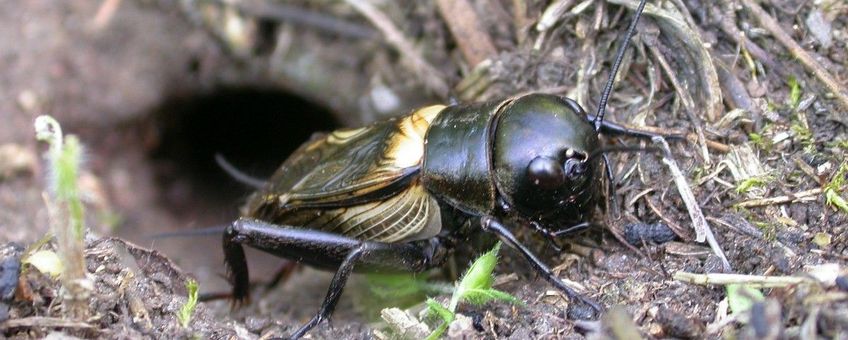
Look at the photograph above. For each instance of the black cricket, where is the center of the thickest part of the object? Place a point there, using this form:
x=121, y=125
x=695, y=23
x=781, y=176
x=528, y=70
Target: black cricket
x=398, y=195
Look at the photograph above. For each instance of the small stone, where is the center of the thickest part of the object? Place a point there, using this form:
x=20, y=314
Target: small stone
x=580, y=311
x=461, y=328
x=10, y=269
x=677, y=325
x=822, y=239
x=820, y=27
x=16, y=160
x=842, y=283
x=713, y=264
x=256, y=324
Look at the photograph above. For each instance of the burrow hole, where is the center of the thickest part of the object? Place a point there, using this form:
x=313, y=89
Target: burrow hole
x=255, y=129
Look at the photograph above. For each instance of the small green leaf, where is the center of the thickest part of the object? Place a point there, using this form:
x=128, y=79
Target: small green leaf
x=481, y=296
x=832, y=189
x=742, y=297
x=747, y=184
x=67, y=168
x=479, y=275
x=474, y=287
x=447, y=316
x=438, y=332
x=794, y=92
x=839, y=143
x=187, y=310
x=436, y=308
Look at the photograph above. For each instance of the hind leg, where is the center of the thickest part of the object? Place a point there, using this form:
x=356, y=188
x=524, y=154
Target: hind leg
x=324, y=250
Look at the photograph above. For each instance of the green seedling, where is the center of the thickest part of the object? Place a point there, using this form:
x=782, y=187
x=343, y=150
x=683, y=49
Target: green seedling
x=749, y=61
x=769, y=229
x=804, y=136
x=756, y=181
x=401, y=290
x=475, y=287
x=64, y=157
x=760, y=141
x=67, y=214
x=741, y=297
x=832, y=189
x=794, y=92
x=187, y=310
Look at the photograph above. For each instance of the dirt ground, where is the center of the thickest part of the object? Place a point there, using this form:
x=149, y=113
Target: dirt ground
x=154, y=89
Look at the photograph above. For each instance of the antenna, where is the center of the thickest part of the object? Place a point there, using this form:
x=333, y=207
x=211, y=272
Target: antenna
x=602, y=105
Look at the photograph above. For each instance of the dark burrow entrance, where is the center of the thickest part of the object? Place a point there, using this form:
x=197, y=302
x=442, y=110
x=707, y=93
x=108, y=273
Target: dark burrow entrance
x=255, y=129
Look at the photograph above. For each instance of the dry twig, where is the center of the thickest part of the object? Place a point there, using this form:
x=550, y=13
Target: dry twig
x=699, y=223
x=726, y=17
x=432, y=78
x=685, y=98
x=464, y=24
x=803, y=196
x=757, y=281
x=42, y=321
x=105, y=13
x=552, y=14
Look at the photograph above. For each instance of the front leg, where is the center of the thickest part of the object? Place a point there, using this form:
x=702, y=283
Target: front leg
x=492, y=225
x=553, y=236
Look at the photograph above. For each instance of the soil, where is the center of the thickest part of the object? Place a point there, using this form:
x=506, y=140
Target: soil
x=155, y=89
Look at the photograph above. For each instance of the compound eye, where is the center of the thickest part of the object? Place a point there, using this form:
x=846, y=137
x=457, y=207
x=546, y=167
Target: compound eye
x=546, y=173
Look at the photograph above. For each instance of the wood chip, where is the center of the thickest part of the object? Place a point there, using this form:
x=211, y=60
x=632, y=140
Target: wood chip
x=686, y=249
x=470, y=35
x=41, y=321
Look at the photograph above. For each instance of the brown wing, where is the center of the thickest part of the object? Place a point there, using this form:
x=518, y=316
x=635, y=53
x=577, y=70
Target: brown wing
x=410, y=214
x=366, y=178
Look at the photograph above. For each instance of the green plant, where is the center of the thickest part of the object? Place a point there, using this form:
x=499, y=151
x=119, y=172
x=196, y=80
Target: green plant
x=741, y=297
x=834, y=187
x=769, y=229
x=760, y=141
x=749, y=183
x=794, y=92
x=187, y=310
x=804, y=136
x=475, y=287
x=64, y=158
x=400, y=290
x=67, y=214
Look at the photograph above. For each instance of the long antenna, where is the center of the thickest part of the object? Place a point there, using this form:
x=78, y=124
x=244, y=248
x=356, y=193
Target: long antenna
x=237, y=174
x=602, y=105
